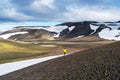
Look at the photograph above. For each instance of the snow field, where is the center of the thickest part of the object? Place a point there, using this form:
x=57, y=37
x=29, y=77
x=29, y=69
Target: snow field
x=13, y=66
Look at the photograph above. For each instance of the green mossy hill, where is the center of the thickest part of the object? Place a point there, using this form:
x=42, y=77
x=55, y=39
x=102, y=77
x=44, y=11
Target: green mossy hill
x=13, y=51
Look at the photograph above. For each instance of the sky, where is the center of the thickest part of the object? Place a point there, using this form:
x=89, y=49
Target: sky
x=51, y=12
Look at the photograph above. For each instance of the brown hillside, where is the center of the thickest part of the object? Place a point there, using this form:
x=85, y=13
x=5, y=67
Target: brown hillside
x=100, y=63
x=90, y=38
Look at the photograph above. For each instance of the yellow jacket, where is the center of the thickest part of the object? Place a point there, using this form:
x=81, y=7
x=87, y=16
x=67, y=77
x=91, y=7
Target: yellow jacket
x=65, y=50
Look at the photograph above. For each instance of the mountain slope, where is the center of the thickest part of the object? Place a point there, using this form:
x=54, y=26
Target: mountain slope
x=100, y=63
x=27, y=34
x=91, y=38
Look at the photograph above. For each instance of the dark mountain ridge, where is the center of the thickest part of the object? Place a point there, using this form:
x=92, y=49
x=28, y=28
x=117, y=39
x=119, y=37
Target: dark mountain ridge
x=81, y=28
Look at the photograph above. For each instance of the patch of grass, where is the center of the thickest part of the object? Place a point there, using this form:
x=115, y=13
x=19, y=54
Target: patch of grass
x=10, y=57
x=12, y=51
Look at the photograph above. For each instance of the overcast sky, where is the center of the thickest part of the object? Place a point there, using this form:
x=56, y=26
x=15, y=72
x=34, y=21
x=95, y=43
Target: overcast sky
x=22, y=11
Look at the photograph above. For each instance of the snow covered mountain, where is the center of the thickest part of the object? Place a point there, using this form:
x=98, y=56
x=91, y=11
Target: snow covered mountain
x=105, y=30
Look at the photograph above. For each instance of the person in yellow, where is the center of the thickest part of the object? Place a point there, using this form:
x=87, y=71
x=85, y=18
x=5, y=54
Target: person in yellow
x=65, y=51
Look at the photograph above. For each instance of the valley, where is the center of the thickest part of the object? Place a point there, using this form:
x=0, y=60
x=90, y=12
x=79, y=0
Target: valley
x=26, y=42
x=16, y=50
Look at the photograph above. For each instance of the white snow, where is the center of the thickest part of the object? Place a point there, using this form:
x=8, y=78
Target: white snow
x=93, y=28
x=107, y=33
x=6, y=36
x=114, y=27
x=110, y=34
x=48, y=45
x=71, y=28
x=80, y=36
x=13, y=66
x=57, y=29
x=56, y=36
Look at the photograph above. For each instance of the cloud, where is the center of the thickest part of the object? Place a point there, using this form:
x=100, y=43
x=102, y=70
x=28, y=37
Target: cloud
x=9, y=12
x=12, y=13
x=5, y=4
x=43, y=6
x=21, y=2
x=92, y=13
x=59, y=10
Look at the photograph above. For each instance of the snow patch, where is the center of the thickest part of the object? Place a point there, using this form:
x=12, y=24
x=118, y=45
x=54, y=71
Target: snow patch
x=114, y=27
x=57, y=29
x=48, y=45
x=80, y=36
x=110, y=34
x=71, y=28
x=13, y=66
x=93, y=28
x=57, y=35
x=6, y=36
